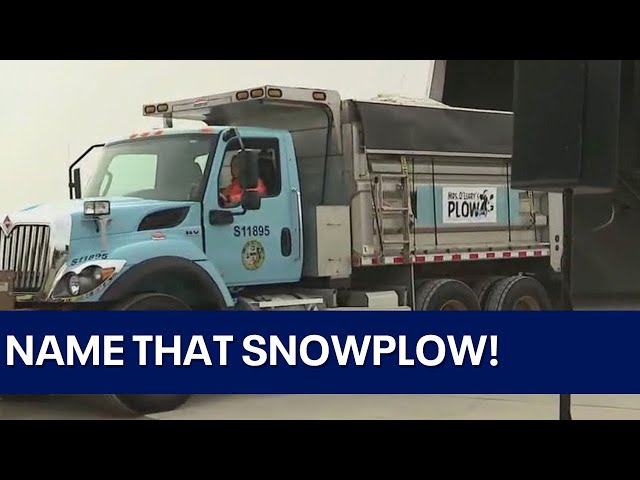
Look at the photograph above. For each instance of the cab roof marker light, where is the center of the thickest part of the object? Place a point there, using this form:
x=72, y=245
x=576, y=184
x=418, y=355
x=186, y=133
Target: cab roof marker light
x=274, y=93
x=163, y=108
x=319, y=96
x=242, y=96
x=150, y=109
x=257, y=93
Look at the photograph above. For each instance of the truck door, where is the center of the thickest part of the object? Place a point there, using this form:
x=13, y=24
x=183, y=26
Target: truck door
x=261, y=246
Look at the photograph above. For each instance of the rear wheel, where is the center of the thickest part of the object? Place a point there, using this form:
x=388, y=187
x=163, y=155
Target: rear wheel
x=482, y=288
x=147, y=404
x=518, y=293
x=447, y=295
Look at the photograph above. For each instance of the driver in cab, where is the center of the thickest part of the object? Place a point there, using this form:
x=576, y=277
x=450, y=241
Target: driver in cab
x=231, y=196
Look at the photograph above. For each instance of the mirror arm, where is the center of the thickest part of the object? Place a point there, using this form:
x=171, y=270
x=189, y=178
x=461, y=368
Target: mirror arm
x=76, y=162
x=239, y=137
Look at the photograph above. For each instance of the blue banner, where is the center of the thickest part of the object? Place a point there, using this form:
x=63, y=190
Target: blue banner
x=319, y=352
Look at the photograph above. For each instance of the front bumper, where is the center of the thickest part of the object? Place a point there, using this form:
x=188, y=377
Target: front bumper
x=10, y=301
x=7, y=298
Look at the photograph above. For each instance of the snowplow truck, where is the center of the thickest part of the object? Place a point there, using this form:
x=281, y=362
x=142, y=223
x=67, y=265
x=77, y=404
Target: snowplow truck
x=291, y=198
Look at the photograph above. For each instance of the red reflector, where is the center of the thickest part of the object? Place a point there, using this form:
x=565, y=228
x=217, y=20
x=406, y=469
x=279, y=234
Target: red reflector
x=374, y=261
x=133, y=136
x=522, y=254
x=421, y=259
x=506, y=254
x=398, y=260
x=438, y=258
x=537, y=253
x=474, y=256
x=207, y=130
x=158, y=132
x=145, y=134
x=456, y=257
x=491, y=255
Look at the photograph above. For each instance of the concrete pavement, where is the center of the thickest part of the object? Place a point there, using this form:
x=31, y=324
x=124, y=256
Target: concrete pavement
x=347, y=407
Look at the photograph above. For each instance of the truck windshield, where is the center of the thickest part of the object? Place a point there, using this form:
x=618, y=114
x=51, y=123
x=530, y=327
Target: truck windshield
x=159, y=168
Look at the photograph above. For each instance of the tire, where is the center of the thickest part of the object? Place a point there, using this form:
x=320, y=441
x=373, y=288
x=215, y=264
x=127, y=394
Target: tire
x=152, y=301
x=446, y=294
x=518, y=293
x=139, y=405
x=146, y=404
x=483, y=287
x=24, y=398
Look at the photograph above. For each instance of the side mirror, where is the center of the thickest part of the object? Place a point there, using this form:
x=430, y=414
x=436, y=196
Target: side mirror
x=251, y=200
x=249, y=172
x=77, y=188
x=220, y=217
x=229, y=134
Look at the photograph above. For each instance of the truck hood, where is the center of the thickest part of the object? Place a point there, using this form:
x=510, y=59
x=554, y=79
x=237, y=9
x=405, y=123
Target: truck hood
x=126, y=215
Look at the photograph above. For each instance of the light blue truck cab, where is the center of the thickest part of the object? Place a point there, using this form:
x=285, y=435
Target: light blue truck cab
x=151, y=220
x=151, y=230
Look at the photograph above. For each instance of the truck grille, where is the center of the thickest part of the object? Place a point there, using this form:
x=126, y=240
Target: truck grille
x=25, y=251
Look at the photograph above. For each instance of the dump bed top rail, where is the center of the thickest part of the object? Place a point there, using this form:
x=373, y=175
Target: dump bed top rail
x=404, y=126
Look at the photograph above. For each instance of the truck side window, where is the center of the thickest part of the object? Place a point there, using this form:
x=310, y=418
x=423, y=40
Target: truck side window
x=269, y=166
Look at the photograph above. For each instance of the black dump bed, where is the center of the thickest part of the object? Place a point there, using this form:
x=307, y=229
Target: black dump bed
x=397, y=127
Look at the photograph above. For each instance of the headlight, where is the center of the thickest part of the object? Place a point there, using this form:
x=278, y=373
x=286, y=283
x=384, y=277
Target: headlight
x=97, y=208
x=75, y=284
x=85, y=278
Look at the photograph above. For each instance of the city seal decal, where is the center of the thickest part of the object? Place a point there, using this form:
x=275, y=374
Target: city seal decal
x=253, y=255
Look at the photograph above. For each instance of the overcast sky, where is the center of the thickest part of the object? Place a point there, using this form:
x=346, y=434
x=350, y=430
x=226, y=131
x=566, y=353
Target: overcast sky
x=51, y=111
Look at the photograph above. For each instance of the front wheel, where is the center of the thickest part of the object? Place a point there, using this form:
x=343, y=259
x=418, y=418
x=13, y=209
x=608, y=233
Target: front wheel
x=144, y=404
x=23, y=398
x=148, y=404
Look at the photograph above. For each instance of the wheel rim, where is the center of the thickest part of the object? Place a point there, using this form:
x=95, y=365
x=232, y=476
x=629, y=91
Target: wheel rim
x=527, y=303
x=453, y=305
